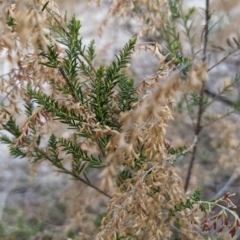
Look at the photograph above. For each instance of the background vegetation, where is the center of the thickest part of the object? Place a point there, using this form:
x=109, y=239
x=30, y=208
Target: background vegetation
x=140, y=145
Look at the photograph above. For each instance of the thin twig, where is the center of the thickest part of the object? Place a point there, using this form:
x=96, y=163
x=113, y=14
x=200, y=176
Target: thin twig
x=73, y=174
x=222, y=60
x=198, y=127
x=13, y=71
x=230, y=181
x=207, y=17
x=218, y=21
x=217, y=97
x=88, y=183
x=9, y=92
x=188, y=109
x=223, y=116
x=69, y=84
x=100, y=146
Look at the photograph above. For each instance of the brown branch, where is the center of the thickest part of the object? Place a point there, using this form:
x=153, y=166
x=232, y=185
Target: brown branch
x=197, y=131
x=206, y=31
x=216, y=96
x=60, y=166
x=223, y=116
x=220, y=98
x=188, y=109
x=88, y=183
x=69, y=84
x=198, y=127
x=226, y=186
x=100, y=146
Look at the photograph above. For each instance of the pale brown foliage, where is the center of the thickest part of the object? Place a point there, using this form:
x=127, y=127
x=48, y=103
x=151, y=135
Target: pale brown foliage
x=152, y=12
x=135, y=204
x=142, y=205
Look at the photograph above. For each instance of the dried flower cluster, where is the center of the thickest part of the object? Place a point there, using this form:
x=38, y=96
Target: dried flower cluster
x=147, y=198
x=151, y=14
x=114, y=126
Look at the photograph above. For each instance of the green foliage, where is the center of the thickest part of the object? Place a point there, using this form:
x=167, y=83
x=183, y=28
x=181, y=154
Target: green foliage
x=102, y=92
x=21, y=229
x=104, y=83
x=11, y=21
x=51, y=56
x=95, y=95
x=177, y=152
x=126, y=93
x=128, y=237
x=171, y=35
x=189, y=203
x=98, y=219
x=12, y=127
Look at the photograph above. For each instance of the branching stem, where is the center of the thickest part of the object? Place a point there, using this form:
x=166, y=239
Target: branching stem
x=61, y=167
x=69, y=84
x=207, y=17
x=198, y=126
x=222, y=60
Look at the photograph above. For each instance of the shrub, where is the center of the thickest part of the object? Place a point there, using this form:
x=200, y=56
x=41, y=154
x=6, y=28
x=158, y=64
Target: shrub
x=117, y=127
